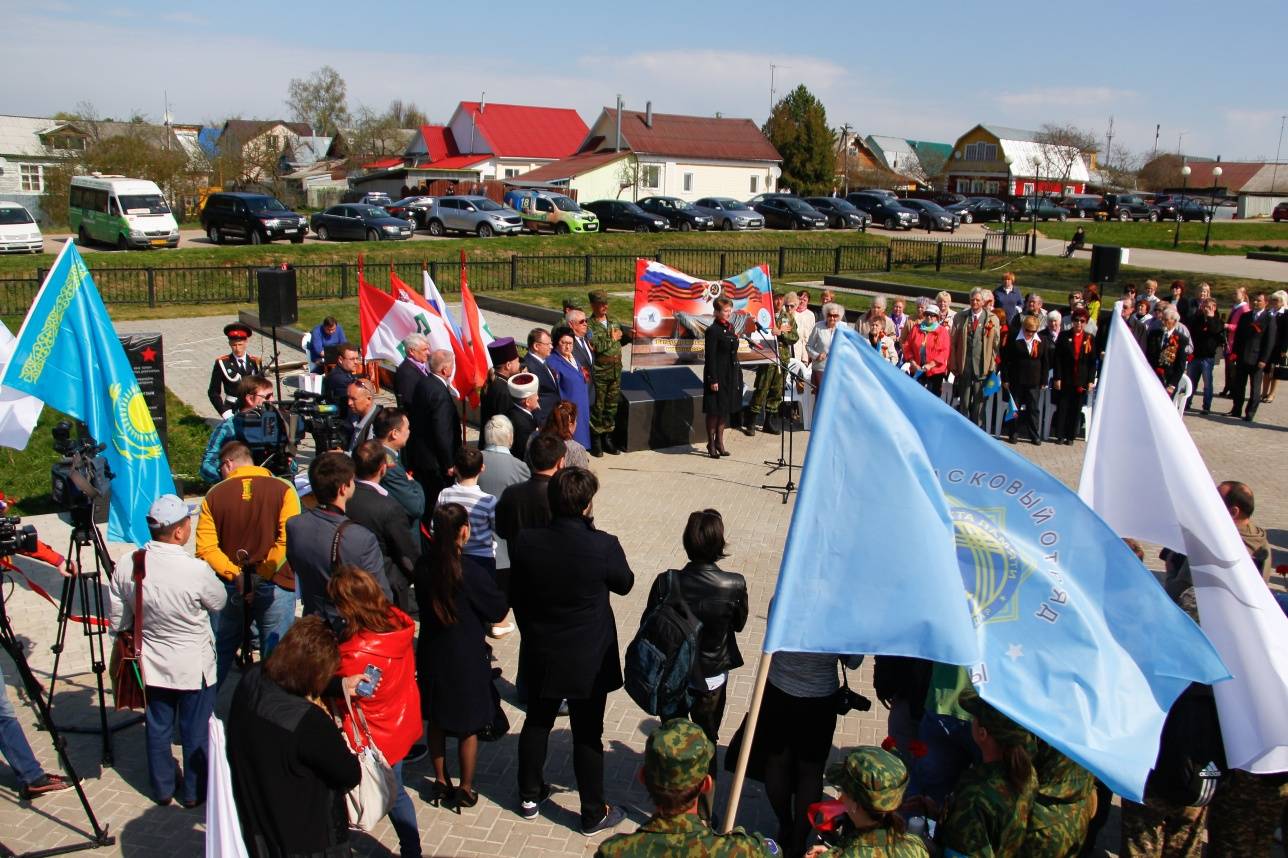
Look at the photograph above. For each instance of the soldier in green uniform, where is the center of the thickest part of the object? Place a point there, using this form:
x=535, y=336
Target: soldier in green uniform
x=1063, y=806
x=606, y=342
x=675, y=772
x=769, y=377
x=988, y=813
x=872, y=782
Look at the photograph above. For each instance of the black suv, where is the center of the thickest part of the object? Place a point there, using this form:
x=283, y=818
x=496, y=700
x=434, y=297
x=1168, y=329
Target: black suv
x=840, y=214
x=884, y=210
x=1125, y=207
x=1082, y=205
x=253, y=218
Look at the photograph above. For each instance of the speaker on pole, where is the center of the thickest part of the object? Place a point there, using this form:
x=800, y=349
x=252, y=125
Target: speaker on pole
x=278, y=305
x=1104, y=263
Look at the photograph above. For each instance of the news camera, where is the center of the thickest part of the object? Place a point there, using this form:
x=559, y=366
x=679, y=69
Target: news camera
x=322, y=420
x=265, y=432
x=16, y=537
x=81, y=481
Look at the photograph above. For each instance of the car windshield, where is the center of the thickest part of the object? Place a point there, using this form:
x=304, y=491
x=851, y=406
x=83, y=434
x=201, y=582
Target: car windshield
x=265, y=204
x=564, y=204
x=681, y=204
x=143, y=204
x=483, y=204
x=10, y=216
x=371, y=211
x=726, y=203
x=796, y=205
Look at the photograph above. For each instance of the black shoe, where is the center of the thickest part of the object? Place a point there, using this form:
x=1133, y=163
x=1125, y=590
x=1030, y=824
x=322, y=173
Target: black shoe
x=609, y=447
x=1010, y=439
x=712, y=451
x=189, y=805
x=418, y=752
x=722, y=451
x=1205, y=412
x=1247, y=418
x=771, y=426
x=1037, y=442
x=749, y=424
x=463, y=798
x=613, y=816
x=437, y=793
x=530, y=809
x=1234, y=412
x=596, y=449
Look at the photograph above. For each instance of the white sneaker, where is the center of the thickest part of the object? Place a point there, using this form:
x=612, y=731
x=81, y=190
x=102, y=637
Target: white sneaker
x=500, y=631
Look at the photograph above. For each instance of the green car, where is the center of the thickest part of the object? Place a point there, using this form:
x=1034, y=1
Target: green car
x=1046, y=209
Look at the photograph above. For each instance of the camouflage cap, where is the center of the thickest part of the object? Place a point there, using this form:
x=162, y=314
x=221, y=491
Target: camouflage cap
x=571, y=303
x=599, y=296
x=1001, y=728
x=873, y=777
x=677, y=755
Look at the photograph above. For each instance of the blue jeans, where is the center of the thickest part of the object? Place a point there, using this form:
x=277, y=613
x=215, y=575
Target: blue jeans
x=13, y=742
x=403, y=817
x=190, y=711
x=272, y=613
x=1197, y=367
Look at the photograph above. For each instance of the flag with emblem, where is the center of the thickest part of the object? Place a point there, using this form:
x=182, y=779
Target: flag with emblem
x=386, y=320
x=67, y=355
x=997, y=566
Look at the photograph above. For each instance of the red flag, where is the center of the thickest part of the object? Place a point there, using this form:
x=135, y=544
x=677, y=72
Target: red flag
x=463, y=378
x=471, y=330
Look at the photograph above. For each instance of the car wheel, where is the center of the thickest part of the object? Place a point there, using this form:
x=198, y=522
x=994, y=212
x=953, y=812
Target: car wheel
x=1153, y=217
x=1081, y=214
x=562, y=229
x=256, y=237
x=436, y=228
x=1124, y=216
x=1062, y=218
x=890, y=223
x=372, y=235
x=82, y=237
x=297, y=239
x=323, y=233
x=685, y=226
x=968, y=218
x=641, y=227
x=213, y=235
x=485, y=230
x=727, y=224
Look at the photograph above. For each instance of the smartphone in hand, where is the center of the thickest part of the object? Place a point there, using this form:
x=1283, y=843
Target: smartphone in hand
x=371, y=679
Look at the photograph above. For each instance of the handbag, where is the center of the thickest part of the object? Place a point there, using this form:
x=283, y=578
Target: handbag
x=500, y=725
x=369, y=801
x=125, y=665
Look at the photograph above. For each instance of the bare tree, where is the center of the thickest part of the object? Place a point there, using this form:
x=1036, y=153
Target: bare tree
x=406, y=115
x=319, y=100
x=1059, y=148
x=628, y=175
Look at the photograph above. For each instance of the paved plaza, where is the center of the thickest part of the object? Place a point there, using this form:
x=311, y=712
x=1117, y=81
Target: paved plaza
x=645, y=498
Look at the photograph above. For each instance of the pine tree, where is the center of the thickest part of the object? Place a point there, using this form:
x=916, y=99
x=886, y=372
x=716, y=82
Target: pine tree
x=798, y=129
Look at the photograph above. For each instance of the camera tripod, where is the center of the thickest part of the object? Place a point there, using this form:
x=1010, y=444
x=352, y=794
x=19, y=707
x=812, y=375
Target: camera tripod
x=36, y=695
x=84, y=590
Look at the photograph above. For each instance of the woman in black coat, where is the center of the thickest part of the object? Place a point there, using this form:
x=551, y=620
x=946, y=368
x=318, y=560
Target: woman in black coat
x=452, y=665
x=1075, y=372
x=721, y=377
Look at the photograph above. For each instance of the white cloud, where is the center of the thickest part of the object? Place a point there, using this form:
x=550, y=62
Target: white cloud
x=1065, y=97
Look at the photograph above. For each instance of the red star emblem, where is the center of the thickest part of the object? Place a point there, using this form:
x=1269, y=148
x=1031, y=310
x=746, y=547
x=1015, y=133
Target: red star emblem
x=149, y=354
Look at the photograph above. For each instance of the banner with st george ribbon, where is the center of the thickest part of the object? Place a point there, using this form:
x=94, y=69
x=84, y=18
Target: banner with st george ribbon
x=1009, y=573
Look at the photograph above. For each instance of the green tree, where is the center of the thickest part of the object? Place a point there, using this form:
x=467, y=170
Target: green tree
x=320, y=100
x=799, y=131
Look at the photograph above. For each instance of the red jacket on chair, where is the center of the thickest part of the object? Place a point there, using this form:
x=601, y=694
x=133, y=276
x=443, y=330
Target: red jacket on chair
x=393, y=712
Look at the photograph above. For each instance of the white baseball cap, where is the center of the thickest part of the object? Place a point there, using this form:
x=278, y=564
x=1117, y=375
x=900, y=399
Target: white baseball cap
x=167, y=510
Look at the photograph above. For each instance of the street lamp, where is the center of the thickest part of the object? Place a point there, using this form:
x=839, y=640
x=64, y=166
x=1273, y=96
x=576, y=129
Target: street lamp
x=1180, y=218
x=1216, y=174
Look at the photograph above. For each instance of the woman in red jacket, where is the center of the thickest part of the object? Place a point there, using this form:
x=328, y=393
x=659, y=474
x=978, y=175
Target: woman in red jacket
x=926, y=350
x=377, y=634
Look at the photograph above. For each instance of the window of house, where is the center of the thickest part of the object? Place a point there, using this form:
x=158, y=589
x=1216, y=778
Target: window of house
x=755, y=184
x=511, y=172
x=963, y=186
x=32, y=177
x=977, y=186
x=1068, y=189
x=1028, y=188
x=651, y=175
x=688, y=181
x=992, y=187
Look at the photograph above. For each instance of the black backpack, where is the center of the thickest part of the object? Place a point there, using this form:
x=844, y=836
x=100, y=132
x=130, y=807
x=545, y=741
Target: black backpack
x=661, y=658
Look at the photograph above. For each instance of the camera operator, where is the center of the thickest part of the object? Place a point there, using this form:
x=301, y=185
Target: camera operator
x=336, y=386
x=363, y=409
x=253, y=392
x=230, y=369
x=242, y=535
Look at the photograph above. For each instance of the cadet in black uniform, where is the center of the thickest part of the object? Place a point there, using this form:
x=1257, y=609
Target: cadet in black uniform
x=230, y=368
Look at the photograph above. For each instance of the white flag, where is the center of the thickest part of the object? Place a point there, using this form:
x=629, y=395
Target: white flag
x=18, y=411
x=386, y=321
x=1145, y=477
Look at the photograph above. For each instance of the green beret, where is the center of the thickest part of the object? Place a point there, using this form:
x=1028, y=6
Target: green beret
x=676, y=756
x=1001, y=728
x=873, y=777
x=599, y=296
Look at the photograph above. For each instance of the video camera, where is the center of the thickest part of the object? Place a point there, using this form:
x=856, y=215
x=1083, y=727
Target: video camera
x=81, y=482
x=322, y=420
x=264, y=431
x=15, y=537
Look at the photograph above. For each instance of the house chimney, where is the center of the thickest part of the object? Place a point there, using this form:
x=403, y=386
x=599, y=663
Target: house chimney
x=648, y=114
x=618, y=146
x=483, y=101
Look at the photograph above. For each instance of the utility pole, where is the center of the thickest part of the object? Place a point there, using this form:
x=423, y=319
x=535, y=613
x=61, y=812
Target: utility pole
x=772, y=69
x=1180, y=138
x=845, y=157
x=1157, y=128
x=1109, y=141
x=1274, y=174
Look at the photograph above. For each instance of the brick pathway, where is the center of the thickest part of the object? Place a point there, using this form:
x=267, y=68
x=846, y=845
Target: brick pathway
x=645, y=499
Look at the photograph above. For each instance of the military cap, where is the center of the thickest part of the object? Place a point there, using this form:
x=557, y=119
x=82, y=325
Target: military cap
x=237, y=331
x=571, y=303
x=1001, y=728
x=599, y=296
x=503, y=350
x=873, y=777
x=677, y=755
x=523, y=385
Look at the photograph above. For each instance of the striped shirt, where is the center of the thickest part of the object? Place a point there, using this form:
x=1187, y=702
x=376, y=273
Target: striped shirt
x=481, y=509
x=809, y=674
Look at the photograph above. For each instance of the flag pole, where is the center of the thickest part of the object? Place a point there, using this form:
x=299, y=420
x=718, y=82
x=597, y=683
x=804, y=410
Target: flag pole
x=744, y=752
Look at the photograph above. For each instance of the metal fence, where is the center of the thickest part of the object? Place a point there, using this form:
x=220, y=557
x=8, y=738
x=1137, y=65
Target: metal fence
x=236, y=284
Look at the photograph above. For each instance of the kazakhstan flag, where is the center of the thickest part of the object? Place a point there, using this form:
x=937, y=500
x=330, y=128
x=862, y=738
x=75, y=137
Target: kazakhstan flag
x=916, y=534
x=68, y=356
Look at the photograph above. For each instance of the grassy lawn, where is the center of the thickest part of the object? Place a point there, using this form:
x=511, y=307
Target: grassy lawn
x=1228, y=237
x=28, y=469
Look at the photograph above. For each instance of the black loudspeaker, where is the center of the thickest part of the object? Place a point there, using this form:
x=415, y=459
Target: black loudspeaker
x=1104, y=262
x=277, y=299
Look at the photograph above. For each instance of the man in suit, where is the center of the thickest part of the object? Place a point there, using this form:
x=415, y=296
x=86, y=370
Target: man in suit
x=539, y=347
x=1024, y=370
x=580, y=327
x=335, y=388
x=372, y=507
x=393, y=430
x=1165, y=348
x=231, y=368
x=972, y=356
x=562, y=578
x=435, y=425
x=363, y=410
x=1254, y=343
x=524, y=393
x=414, y=367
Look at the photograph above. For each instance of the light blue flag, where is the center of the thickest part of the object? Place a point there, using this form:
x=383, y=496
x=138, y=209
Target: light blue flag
x=904, y=504
x=67, y=355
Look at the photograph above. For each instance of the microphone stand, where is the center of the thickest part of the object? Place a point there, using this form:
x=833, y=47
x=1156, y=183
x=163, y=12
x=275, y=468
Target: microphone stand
x=786, y=438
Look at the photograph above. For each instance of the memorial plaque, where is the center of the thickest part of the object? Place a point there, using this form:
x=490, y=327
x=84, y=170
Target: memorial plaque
x=146, y=359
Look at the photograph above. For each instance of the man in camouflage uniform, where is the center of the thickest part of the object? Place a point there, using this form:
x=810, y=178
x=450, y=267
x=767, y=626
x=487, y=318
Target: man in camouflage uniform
x=1063, y=806
x=986, y=815
x=769, y=377
x=676, y=757
x=872, y=782
x=606, y=342
x=1245, y=812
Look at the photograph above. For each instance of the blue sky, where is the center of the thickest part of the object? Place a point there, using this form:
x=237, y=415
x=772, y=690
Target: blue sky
x=927, y=71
